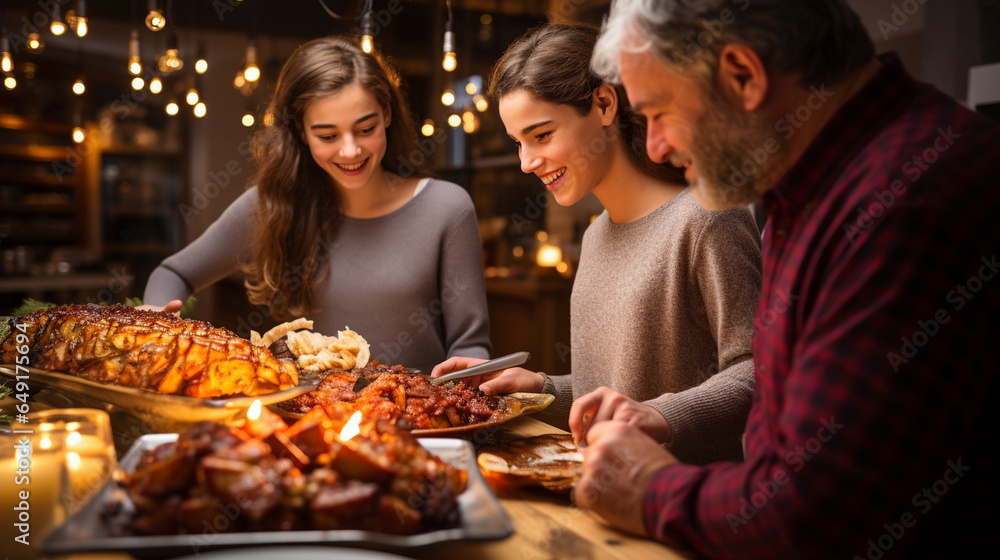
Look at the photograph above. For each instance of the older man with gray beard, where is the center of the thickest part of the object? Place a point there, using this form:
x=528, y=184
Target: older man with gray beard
x=870, y=434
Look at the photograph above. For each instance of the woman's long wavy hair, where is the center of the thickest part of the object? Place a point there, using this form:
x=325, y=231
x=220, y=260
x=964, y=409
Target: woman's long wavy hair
x=552, y=62
x=298, y=211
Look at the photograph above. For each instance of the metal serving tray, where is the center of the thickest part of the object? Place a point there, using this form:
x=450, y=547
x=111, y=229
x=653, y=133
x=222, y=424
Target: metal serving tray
x=482, y=518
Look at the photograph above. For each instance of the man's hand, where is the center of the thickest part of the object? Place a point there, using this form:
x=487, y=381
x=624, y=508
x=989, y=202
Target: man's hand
x=173, y=306
x=618, y=463
x=510, y=380
x=605, y=404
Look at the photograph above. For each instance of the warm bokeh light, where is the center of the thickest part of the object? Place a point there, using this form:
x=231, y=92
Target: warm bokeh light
x=172, y=108
x=6, y=63
x=562, y=267
x=57, y=28
x=134, y=66
x=138, y=83
x=35, y=42
x=73, y=438
x=481, y=103
x=447, y=98
x=155, y=85
x=251, y=74
x=486, y=19
x=201, y=66
x=200, y=109
x=542, y=236
x=428, y=128
x=81, y=27
x=239, y=81
x=454, y=120
x=155, y=20
x=351, y=428
x=78, y=136
x=449, y=63
x=9, y=82
x=549, y=255
x=471, y=88
x=79, y=87
x=518, y=251
x=248, y=120
x=367, y=44
x=191, y=97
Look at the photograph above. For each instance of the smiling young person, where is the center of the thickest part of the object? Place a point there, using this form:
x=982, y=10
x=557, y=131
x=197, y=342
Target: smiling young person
x=663, y=300
x=340, y=229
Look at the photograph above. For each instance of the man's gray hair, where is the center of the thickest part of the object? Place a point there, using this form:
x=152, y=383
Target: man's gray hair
x=823, y=40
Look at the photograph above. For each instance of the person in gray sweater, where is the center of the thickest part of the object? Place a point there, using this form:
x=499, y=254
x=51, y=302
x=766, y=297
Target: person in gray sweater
x=663, y=302
x=340, y=226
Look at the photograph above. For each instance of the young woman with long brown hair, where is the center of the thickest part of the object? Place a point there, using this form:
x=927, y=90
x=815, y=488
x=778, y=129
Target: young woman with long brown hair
x=663, y=302
x=340, y=228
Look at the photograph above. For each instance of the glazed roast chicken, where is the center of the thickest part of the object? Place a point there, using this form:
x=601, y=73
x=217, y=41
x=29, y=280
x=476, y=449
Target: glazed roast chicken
x=148, y=350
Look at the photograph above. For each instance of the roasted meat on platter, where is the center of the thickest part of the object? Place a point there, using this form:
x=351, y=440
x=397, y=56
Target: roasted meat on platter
x=409, y=400
x=269, y=477
x=147, y=350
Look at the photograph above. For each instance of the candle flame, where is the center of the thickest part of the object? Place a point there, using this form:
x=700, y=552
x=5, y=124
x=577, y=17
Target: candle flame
x=253, y=412
x=73, y=438
x=351, y=427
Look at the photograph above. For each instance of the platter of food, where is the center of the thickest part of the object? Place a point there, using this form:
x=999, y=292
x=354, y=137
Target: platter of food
x=266, y=483
x=453, y=409
x=551, y=461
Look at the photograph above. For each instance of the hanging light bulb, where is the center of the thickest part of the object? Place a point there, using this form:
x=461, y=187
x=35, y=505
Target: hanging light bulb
x=201, y=65
x=454, y=121
x=9, y=82
x=247, y=119
x=79, y=87
x=35, y=42
x=191, y=97
x=138, y=83
x=6, y=63
x=170, y=61
x=481, y=103
x=134, y=61
x=172, y=108
x=251, y=72
x=80, y=18
x=78, y=135
x=155, y=20
x=367, y=41
x=449, y=62
x=447, y=98
x=155, y=85
x=428, y=128
x=57, y=27
x=200, y=110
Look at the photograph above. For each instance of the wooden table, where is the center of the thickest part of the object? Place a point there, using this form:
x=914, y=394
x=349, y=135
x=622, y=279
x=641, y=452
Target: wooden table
x=546, y=526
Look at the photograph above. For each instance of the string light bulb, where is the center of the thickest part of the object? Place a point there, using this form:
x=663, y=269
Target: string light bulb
x=9, y=82
x=447, y=98
x=454, y=121
x=201, y=65
x=35, y=42
x=170, y=61
x=428, y=128
x=155, y=85
x=57, y=27
x=155, y=20
x=172, y=108
x=481, y=103
x=367, y=41
x=134, y=60
x=449, y=62
x=138, y=83
x=79, y=87
x=78, y=135
x=200, y=109
x=6, y=62
x=191, y=97
x=247, y=119
x=251, y=72
x=80, y=19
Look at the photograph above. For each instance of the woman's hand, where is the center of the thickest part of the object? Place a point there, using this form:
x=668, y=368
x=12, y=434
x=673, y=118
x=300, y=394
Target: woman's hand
x=510, y=380
x=173, y=306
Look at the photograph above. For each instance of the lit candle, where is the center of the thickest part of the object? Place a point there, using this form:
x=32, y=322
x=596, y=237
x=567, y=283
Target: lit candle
x=30, y=507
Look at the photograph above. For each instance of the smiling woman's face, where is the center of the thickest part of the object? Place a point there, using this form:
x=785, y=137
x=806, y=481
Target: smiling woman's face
x=345, y=133
x=566, y=150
